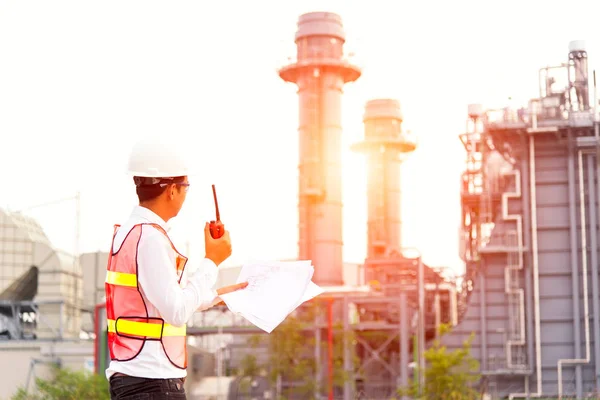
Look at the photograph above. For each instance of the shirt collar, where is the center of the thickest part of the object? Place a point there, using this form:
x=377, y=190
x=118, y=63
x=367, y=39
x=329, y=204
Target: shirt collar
x=150, y=216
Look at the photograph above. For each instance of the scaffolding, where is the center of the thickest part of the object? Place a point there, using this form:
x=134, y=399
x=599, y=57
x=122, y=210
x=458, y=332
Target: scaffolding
x=24, y=320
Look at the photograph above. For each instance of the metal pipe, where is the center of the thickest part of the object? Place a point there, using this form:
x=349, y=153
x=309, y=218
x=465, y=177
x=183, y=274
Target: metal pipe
x=96, y=281
x=574, y=269
x=347, y=360
x=482, y=319
x=543, y=93
x=594, y=262
x=438, y=311
x=77, y=256
x=536, y=275
x=32, y=364
x=525, y=201
x=330, y=347
x=421, y=295
x=404, y=338
x=575, y=276
x=219, y=358
x=61, y=330
x=453, y=305
x=317, y=356
x=517, y=268
x=279, y=387
x=569, y=87
x=595, y=119
x=536, y=272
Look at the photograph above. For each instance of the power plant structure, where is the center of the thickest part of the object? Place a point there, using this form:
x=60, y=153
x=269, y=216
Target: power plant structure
x=320, y=71
x=530, y=239
x=383, y=314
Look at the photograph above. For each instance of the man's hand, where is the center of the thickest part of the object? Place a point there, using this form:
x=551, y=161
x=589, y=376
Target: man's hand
x=227, y=289
x=217, y=250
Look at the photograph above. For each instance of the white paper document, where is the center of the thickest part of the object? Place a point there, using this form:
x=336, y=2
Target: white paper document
x=274, y=290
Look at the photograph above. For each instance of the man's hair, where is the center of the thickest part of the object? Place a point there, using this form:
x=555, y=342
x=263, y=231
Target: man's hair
x=150, y=188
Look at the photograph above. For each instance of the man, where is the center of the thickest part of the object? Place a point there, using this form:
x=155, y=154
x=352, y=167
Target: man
x=150, y=291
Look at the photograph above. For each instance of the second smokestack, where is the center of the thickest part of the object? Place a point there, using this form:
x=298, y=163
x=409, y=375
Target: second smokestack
x=385, y=144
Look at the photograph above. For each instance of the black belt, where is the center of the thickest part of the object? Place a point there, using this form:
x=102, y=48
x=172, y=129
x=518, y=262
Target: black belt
x=117, y=374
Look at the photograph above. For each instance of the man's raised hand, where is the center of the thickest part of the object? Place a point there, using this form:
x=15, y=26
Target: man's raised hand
x=217, y=250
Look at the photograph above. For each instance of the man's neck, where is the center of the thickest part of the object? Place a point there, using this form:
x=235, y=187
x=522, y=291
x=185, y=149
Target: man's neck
x=156, y=209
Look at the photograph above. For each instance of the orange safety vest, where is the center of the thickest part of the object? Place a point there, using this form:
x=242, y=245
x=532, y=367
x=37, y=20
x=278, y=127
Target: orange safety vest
x=129, y=325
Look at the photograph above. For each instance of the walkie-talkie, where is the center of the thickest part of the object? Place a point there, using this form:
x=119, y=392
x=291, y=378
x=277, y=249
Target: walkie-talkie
x=217, y=229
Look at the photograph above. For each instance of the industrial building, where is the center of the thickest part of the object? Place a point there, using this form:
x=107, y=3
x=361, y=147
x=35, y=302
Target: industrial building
x=379, y=298
x=530, y=239
x=43, y=316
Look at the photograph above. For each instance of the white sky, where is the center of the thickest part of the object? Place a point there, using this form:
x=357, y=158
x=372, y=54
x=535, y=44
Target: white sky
x=80, y=82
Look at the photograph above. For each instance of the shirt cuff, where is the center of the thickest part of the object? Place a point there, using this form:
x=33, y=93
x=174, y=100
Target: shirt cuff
x=210, y=299
x=210, y=268
x=204, y=280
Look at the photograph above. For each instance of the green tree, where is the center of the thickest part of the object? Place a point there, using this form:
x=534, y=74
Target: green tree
x=249, y=366
x=448, y=375
x=291, y=349
x=67, y=385
x=291, y=359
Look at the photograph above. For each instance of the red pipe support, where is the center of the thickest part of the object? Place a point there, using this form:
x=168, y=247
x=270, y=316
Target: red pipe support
x=330, y=346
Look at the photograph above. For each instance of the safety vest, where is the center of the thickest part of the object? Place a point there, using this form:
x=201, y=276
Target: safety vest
x=129, y=325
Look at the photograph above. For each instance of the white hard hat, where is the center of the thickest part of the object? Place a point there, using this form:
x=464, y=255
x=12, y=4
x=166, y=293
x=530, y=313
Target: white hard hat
x=156, y=158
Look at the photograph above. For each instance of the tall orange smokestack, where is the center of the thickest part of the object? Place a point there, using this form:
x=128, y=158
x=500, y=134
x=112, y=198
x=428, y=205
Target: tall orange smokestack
x=320, y=72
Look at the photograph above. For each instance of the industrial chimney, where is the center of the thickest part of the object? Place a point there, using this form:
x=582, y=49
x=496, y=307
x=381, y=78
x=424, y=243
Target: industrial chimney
x=320, y=72
x=578, y=75
x=385, y=145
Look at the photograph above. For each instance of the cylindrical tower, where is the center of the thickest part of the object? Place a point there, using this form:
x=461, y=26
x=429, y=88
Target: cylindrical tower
x=384, y=144
x=320, y=73
x=578, y=75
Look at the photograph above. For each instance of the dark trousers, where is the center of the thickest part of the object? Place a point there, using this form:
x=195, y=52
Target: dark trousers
x=133, y=388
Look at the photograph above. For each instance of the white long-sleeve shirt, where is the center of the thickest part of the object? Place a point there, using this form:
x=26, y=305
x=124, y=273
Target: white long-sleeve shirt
x=164, y=298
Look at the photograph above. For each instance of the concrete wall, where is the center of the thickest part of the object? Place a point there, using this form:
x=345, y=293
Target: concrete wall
x=17, y=361
x=93, y=267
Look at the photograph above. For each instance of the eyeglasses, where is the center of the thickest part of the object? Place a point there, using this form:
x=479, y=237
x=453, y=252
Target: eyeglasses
x=185, y=185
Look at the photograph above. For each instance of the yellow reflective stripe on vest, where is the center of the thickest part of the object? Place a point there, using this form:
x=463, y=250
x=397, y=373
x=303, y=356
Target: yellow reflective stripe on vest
x=121, y=279
x=145, y=329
